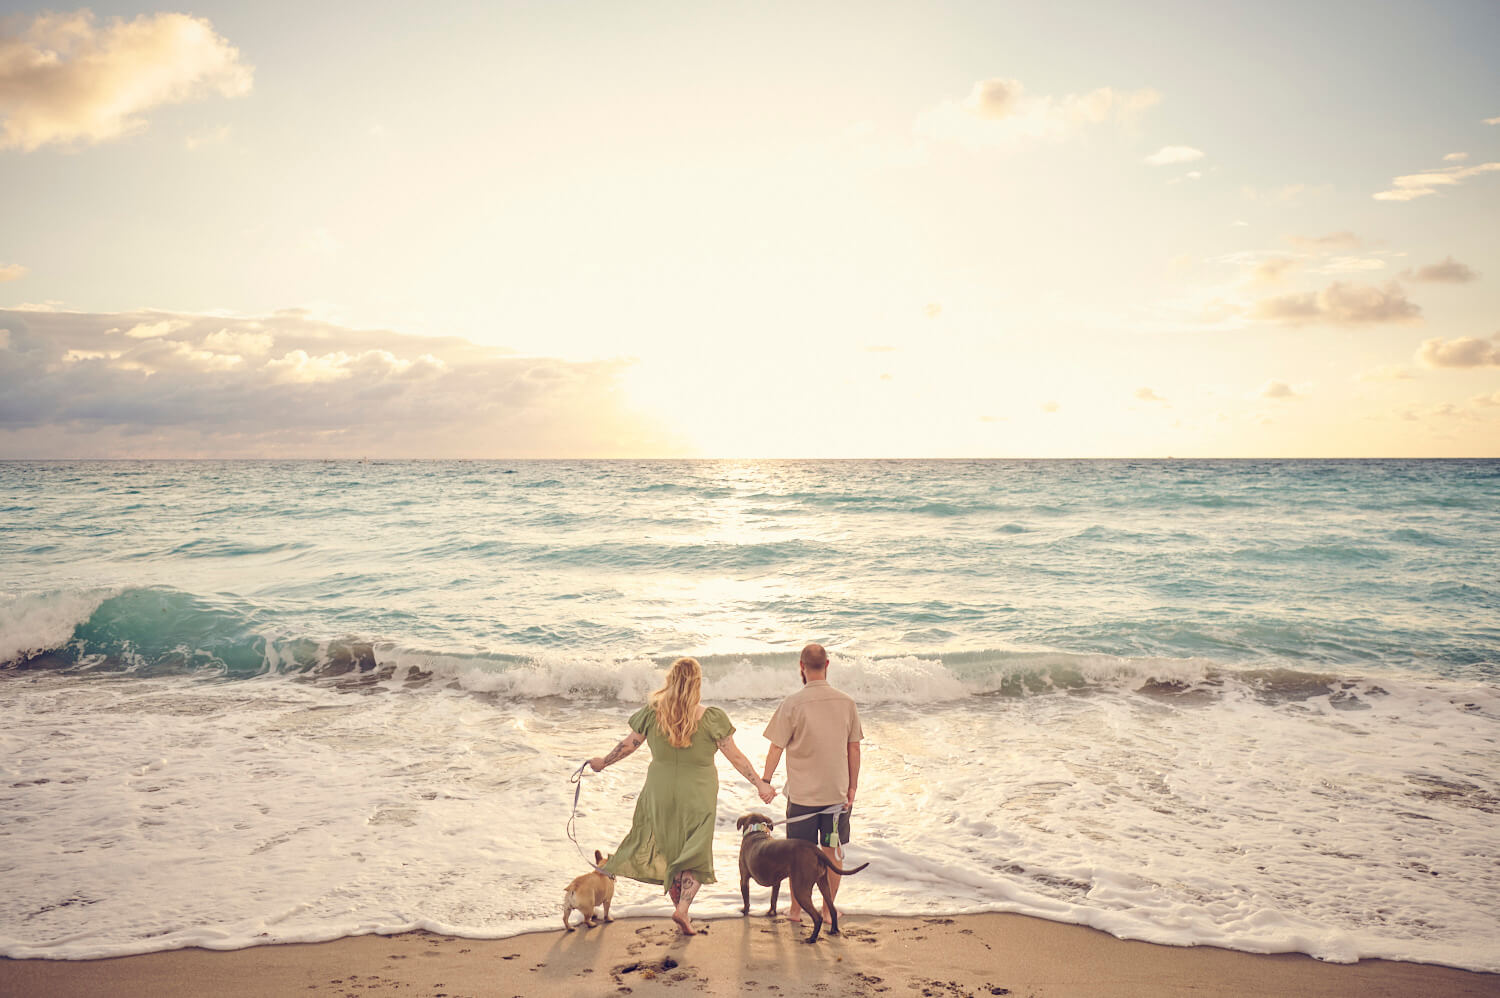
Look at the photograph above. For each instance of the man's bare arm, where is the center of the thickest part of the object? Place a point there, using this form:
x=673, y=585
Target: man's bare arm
x=853, y=772
x=773, y=759
x=627, y=745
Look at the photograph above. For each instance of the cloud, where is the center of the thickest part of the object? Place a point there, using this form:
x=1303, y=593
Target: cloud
x=1455, y=157
x=1148, y=395
x=1332, y=241
x=932, y=310
x=1326, y=245
x=1388, y=372
x=1419, y=185
x=212, y=137
x=1488, y=401
x=1446, y=410
x=1272, y=269
x=12, y=272
x=69, y=79
x=238, y=342
x=1099, y=106
x=1342, y=304
x=1050, y=407
x=1278, y=390
x=151, y=330
x=1173, y=154
x=1466, y=351
x=994, y=99
x=999, y=110
x=1351, y=265
x=1450, y=271
x=297, y=367
x=79, y=385
x=1492, y=121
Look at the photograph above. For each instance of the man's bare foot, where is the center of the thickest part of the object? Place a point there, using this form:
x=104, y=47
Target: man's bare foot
x=684, y=924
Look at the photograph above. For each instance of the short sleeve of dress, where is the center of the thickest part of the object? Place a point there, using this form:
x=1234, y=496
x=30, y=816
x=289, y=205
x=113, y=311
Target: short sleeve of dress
x=716, y=724
x=641, y=719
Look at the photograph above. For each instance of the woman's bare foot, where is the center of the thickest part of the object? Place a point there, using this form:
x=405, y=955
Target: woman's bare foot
x=794, y=915
x=683, y=924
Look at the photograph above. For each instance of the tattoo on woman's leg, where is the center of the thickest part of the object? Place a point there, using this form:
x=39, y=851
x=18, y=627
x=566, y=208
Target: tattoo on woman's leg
x=688, y=884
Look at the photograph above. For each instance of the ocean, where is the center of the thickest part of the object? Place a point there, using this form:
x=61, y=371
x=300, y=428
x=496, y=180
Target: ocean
x=1250, y=704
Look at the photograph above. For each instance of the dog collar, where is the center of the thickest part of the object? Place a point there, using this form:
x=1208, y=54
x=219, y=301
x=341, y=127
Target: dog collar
x=757, y=826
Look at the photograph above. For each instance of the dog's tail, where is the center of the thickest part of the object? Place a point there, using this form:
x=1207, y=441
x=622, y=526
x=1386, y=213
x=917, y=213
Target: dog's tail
x=843, y=873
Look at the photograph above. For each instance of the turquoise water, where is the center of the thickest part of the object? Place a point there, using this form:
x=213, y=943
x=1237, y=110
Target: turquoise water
x=1379, y=564
x=1252, y=704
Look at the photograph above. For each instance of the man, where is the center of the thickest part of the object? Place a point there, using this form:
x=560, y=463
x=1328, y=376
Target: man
x=818, y=729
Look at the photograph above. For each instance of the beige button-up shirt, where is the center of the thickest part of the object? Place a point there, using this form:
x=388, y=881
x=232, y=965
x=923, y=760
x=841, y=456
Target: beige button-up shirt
x=815, y=726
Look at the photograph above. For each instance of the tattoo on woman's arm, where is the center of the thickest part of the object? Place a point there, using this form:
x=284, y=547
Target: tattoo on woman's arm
x=741, y=765
x=620, y=751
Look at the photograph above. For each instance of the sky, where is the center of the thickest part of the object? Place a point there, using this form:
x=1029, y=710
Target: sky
x=510, y=230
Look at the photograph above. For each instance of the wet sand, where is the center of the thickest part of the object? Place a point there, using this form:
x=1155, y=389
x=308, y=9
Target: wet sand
x=875, y=956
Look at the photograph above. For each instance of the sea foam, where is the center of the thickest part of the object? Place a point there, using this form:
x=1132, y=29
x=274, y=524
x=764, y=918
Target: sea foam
x=1247, y=704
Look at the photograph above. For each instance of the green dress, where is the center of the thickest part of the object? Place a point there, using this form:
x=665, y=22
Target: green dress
x=673, y=828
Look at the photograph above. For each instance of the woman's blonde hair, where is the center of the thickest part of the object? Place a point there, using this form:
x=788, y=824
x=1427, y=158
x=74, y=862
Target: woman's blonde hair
x=676, y=703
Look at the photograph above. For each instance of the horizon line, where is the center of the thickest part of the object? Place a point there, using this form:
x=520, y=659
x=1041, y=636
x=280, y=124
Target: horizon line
x=517, y=460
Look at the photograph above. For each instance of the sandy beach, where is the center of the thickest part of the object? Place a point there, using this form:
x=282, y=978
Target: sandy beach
x=940, y=956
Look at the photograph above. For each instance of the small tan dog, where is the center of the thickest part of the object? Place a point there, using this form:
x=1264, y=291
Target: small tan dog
x=586, y=893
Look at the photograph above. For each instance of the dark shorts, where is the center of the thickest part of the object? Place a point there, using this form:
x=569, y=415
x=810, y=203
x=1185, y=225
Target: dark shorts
x=816, y=830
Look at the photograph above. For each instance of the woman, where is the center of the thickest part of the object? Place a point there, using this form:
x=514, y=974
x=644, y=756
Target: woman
x=671, y=840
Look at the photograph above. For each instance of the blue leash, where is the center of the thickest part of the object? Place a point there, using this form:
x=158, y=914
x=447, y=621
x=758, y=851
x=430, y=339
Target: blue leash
x=577, y=780
x=830, y=809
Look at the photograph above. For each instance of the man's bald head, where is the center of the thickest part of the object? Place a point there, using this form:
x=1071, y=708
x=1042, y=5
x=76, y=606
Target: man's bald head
x=814, y=660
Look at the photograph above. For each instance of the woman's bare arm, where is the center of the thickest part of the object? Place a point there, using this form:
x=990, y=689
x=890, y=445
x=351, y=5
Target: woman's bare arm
x=742, y=765
x=627, y=745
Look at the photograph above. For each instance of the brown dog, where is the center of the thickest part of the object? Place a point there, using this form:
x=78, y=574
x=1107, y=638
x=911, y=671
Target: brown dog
x=587, y=892
x=769, y=861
